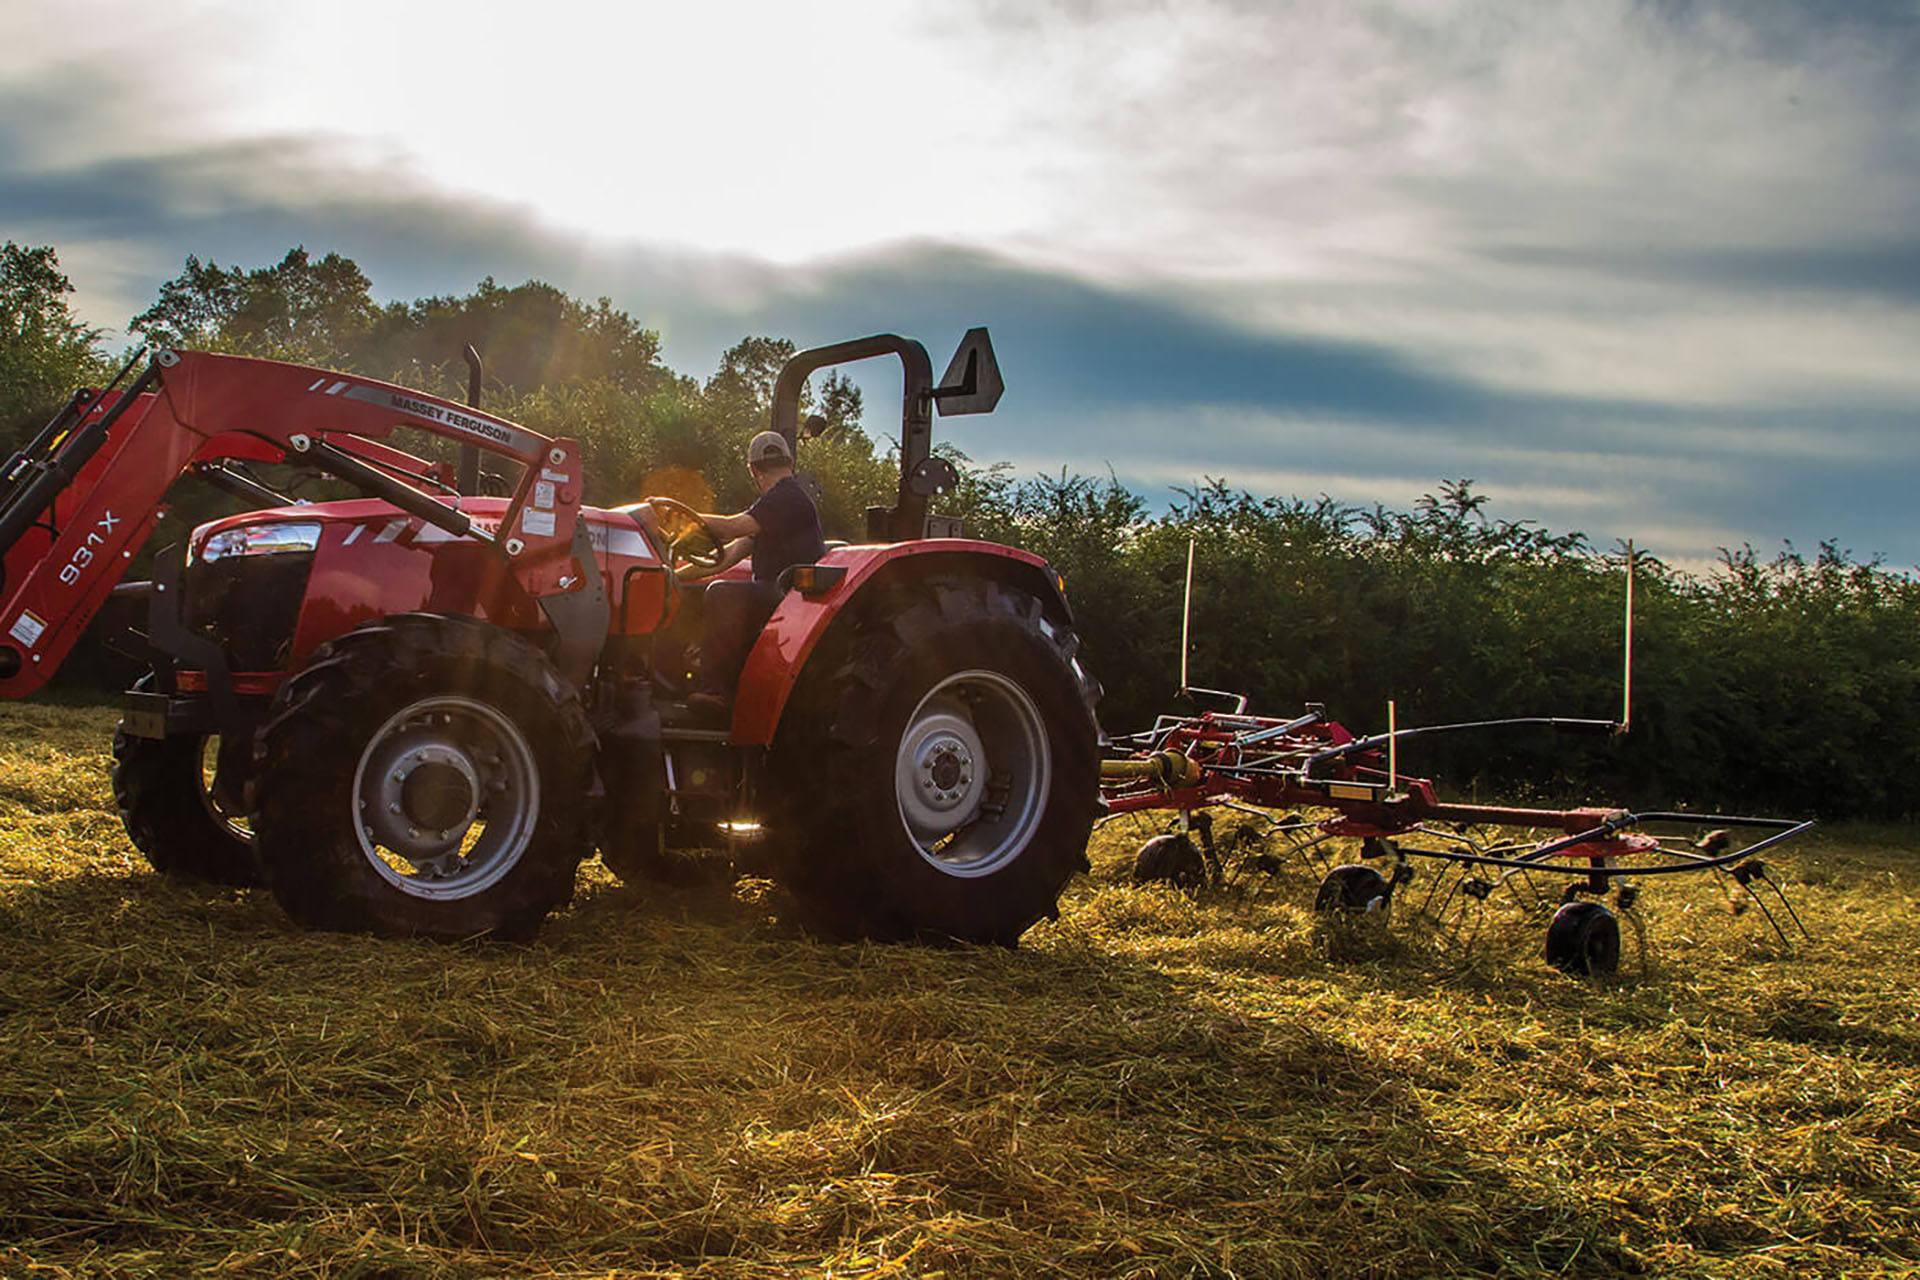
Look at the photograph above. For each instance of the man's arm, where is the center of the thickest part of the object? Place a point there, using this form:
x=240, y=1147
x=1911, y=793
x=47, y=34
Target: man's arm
x=733, y=527
x=736, y=551
x=728, y=528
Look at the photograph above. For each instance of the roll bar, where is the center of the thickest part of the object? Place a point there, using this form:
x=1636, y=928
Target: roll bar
x=972, y=384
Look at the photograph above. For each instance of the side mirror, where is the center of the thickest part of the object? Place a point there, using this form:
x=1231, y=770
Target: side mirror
x=972, y=382
x=813, y=426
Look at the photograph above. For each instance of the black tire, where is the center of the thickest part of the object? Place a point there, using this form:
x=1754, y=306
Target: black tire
x=1353, y=889
x=504, y=752
x=949, y=655
x=161, y=790
x=1170, y=859
x=1584, y=940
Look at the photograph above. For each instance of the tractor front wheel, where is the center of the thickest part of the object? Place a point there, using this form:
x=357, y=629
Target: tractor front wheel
x=424, y=775
x=939, y=777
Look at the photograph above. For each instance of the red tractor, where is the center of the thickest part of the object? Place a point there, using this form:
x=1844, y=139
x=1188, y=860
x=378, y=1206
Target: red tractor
x=416, y=711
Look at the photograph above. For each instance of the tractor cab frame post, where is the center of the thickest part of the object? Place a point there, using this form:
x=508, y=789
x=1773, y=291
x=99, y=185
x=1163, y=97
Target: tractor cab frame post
x=907, y=518
x=972, y=385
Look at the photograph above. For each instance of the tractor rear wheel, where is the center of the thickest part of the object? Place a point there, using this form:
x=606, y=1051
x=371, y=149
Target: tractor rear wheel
x=937, y=776
x=424, y=775
x=165, y=794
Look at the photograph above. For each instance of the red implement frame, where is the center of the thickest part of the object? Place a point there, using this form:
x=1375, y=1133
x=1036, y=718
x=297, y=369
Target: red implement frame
x=1185, y=763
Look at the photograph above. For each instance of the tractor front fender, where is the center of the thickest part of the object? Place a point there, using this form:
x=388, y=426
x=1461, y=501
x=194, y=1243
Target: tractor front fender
x=797, y=626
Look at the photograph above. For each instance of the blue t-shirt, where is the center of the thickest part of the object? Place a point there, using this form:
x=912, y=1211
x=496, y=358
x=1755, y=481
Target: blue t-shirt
x=789, y=530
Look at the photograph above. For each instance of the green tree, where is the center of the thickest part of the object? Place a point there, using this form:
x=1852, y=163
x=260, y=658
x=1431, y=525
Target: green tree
x=300, y=309
x=531, y=335
x=841, y=404
x=46, y=353
x=748, y=369
x=847, y=472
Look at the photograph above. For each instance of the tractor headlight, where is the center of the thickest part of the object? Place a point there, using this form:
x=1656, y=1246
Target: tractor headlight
x=260, y=540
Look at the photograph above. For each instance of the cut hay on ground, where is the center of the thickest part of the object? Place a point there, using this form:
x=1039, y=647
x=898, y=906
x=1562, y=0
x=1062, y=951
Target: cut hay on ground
x=1153, y=1086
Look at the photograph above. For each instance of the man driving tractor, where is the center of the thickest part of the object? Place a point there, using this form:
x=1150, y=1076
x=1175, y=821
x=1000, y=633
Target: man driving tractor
x=781, y=529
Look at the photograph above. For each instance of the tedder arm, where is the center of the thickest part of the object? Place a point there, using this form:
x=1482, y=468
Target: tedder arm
x=80, y=500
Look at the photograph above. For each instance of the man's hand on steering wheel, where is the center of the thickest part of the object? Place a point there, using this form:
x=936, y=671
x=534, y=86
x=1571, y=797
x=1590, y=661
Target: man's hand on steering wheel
x=687, y=564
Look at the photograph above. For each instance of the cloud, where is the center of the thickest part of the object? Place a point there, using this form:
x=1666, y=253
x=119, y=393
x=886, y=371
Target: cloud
x=1633, y=266
x=1887, y=271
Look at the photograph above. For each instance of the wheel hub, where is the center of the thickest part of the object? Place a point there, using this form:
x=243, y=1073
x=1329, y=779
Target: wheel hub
x=437, y=795
x=946, y=770
x=972, y=771
x=448, y=794
x=941, y=776
x=425, y=794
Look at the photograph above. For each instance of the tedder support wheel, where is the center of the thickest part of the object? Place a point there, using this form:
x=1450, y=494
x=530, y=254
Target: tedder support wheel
x=1584, y=940
x=424, y=775
x=166, y=800
x=1171, y=859
x=938, y=774
x=1353, y=888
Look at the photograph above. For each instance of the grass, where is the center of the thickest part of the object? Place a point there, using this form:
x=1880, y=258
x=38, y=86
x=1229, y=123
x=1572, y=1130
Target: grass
x=679, y=1083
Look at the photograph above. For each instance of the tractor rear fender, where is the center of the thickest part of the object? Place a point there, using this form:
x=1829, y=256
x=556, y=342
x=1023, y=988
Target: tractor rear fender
x=791, y=636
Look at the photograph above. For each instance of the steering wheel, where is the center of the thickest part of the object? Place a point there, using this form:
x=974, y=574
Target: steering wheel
x=706, y=563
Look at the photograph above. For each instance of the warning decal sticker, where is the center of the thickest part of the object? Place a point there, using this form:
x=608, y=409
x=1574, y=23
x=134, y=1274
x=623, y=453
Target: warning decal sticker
x=27, y=629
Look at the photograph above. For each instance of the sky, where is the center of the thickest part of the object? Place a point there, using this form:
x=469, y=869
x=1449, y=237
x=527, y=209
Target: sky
x=1646, y=270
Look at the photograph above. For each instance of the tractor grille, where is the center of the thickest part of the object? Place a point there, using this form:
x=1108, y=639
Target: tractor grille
x=248, y=605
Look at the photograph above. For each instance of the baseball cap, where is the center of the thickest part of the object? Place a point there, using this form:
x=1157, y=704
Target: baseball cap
x=767, y=449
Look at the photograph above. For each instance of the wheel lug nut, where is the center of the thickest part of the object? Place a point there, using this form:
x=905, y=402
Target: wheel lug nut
x=393, y=807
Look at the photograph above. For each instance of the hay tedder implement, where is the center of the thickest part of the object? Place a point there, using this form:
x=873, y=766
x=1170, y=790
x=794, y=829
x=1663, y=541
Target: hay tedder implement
x=1271, y=768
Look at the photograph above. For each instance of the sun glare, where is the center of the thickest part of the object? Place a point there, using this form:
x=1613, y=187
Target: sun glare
x=781, y=131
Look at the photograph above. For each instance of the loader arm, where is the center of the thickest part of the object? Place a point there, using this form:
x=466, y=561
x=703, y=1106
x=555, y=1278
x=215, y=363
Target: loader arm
x=82, y=499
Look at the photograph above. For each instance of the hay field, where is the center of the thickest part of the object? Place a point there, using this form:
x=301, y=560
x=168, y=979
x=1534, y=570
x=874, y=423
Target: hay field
x=678, y=1083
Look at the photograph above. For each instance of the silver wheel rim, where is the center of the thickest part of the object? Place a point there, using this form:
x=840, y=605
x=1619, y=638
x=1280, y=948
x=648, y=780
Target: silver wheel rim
x=208, y=755
x=446, y=795
x=971, y=773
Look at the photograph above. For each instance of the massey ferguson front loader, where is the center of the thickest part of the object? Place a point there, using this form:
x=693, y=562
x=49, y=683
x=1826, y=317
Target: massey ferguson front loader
x=416, y=711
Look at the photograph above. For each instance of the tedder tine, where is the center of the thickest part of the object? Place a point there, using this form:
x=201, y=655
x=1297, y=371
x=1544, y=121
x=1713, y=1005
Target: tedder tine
x=1745, y=874
x=1788, y=904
